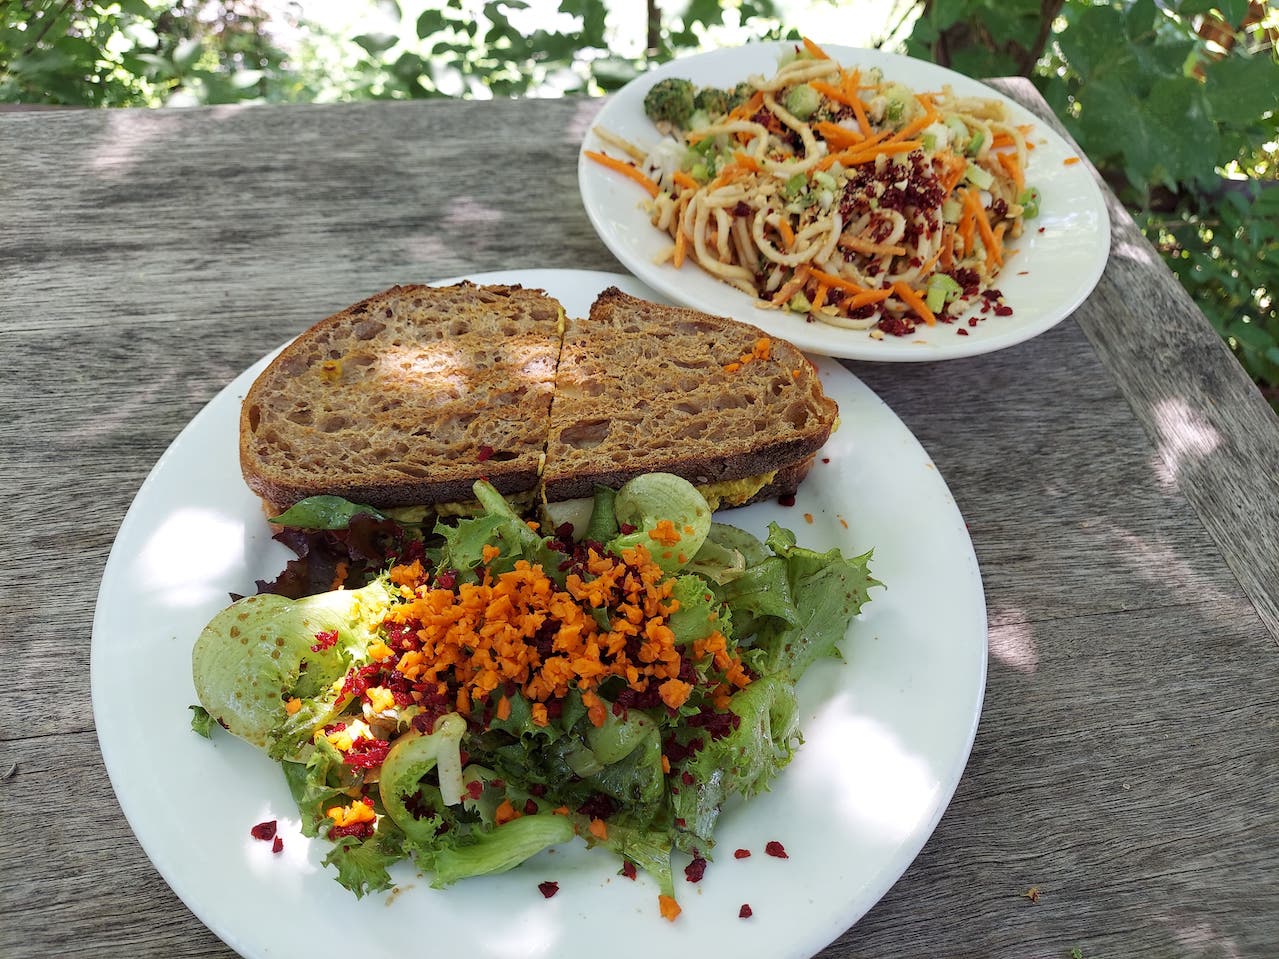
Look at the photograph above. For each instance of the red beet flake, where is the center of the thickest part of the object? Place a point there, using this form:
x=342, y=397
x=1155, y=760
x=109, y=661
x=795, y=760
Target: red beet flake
x=742, y=854
x=277, y=846
x=694, y=871
x=786, y=501
x=628, y=869
x=485, y=452
x=474, y=788
x=775, y=848
x=548, y=889
x=264, y=830
x=324, y=640
x=745, y=912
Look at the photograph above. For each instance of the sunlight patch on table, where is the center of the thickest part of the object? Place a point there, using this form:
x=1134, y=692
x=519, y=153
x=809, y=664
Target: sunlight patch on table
x=1014, y=645
x=124, y=142
x=189, y=554
x=880, y=786
x=1184, y=438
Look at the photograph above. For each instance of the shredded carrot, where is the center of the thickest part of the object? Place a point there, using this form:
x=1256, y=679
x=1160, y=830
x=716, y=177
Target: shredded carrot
x=681, y=248
x=866, y=298
x=914, y=301
x=503, y=711
x=866, y=153
x=819, y=297
x=665, y=533
x=838, y=282
x=683, y=179
x=1070, y=161
x=666, y=765
x=505, y=813
x=339, y=575
x=674, y=692
x=745, y=161
x=792, y=286
x=561, y=810
x=947, y=247
x=968, y=219
x=956, y=166
x=859, y=111
x=787, y=234
x=625, y=169
x=869, y=246
x=669, y=908
x=490, y=553
x=841, y=138
x=915, y=125
x=817, y=52
x=994, y=255
x=836, y=94
x=732, y=367
x=1009, y=162
x=599, y=829
x=293, y=705
x=749, y=108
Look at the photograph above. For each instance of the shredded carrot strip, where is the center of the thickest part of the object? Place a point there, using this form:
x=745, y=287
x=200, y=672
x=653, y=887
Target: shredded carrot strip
x=669, y=907
x=838, y=95
x=838, y=282
x=683, y=179
x=626, y=170
x=968, y=220
x=839, y=137
x=819, y=297
x=817, y=52
x=1070, y=161
x=793, y=286
x=787, y=234
x=868, y=246
x=947, y=247
x=859, y=111
x=681, y=247
x=745, y=161
x=1009, y=162
x=866, y=152
x=914, y=301
x=994, y=255
x=915, y=125
x=866, y=298
x=957, y=165
x=747, y=109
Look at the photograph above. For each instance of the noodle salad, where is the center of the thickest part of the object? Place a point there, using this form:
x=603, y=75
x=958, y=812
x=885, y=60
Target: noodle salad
x=834, y=193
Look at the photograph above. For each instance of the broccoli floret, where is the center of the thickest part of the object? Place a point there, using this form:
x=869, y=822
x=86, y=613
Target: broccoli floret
x=740, y=94
x=713, y=101
x=670, y=100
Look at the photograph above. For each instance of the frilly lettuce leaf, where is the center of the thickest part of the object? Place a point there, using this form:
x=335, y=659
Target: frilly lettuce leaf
x=363, y=865
x=487, y=851
x=743, y=762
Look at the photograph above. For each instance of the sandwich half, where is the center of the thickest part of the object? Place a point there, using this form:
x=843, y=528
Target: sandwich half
x=406, y=399
x=644, y=388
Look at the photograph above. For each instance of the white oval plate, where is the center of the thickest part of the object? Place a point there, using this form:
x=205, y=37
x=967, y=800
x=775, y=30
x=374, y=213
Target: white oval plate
x=887, y=732
x=1059, y=259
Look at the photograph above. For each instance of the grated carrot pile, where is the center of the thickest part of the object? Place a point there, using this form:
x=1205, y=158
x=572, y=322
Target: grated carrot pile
x=476, y=642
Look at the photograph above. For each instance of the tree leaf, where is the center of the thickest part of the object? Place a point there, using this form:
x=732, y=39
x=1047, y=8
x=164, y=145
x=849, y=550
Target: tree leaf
x=376, y=43
x=1241, y=86
x=186, y=53
x=430, y=23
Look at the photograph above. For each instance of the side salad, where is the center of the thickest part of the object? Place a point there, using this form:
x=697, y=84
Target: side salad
x=469, y=695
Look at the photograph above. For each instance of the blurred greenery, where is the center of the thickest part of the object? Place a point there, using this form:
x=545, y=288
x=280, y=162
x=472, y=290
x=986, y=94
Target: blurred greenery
x=1174, y=102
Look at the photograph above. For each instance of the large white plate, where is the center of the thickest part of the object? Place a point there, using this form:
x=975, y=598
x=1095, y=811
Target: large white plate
x=887, y=733
x=1052, y=272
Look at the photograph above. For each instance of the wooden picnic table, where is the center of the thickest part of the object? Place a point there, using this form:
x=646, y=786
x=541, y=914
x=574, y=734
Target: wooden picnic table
x=1117, y=475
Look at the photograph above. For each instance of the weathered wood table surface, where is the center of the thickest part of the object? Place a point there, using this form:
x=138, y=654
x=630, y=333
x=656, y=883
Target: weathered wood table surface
x=1118, y=475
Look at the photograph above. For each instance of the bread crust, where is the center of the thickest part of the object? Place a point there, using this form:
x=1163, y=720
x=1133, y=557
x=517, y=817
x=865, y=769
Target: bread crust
x=411, y=395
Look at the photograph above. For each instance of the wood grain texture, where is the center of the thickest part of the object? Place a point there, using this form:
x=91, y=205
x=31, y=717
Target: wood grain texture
x=1115, y=474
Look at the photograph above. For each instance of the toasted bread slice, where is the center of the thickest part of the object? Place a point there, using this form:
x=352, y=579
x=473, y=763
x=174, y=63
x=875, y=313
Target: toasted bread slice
x=407, y=398
x=644, y=388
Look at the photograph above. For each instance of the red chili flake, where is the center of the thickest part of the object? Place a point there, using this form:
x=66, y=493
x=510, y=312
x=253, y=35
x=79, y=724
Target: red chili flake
x=474, y=788
x=548, y=889
x=485, y=452
x=324, y=640
x=775, y=848
x=694, y=871
x=741, y=854
x=628, y=869
x=264, y=830
x=745, y=912
x=786, y=501
x=278, y=845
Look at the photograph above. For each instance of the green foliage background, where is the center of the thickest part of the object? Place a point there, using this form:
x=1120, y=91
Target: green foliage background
x=1175, y=103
